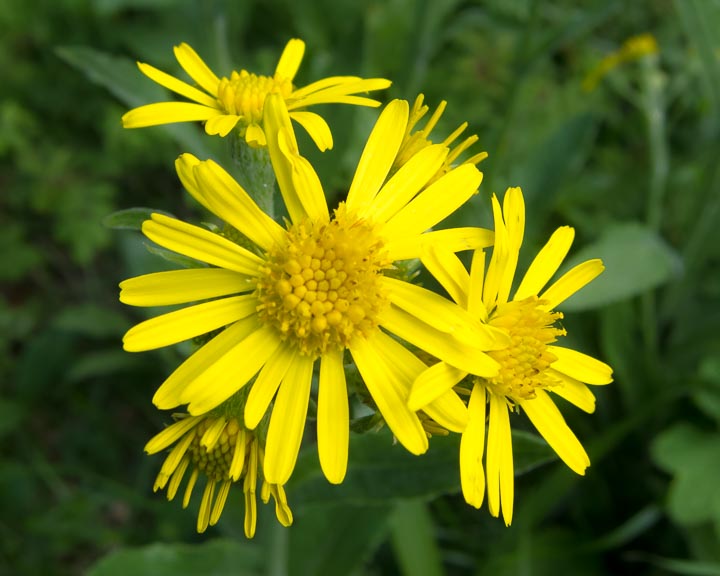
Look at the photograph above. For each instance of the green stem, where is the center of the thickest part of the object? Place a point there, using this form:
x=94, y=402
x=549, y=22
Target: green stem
x=278, y=561
x=255, y=173
x=653, y=106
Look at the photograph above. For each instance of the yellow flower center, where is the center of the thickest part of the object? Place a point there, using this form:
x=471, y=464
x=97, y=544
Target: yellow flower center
x=322, y=287
x=244, y=93
x=524, y=364
x=214, y=462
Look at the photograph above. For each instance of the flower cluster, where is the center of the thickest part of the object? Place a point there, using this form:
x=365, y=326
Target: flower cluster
x=280, y=310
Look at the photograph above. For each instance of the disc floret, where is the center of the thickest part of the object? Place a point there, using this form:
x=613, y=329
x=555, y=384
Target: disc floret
x=322, y=287
x=244, y=93
x=524, y=364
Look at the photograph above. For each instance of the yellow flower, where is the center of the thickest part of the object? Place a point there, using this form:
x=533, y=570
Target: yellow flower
x=633, y=48
x=530, y=367
x=223, y=451
x=416, y=140
x=312, y=290
x=224, y=103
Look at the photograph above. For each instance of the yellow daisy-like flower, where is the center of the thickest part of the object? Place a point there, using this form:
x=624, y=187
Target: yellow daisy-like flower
x=530, y=367
x=416, y=140
x=312, y=290
x=224, y=103
x=222, y=450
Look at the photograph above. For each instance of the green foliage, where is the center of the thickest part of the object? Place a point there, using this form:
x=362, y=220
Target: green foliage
x=632, y=165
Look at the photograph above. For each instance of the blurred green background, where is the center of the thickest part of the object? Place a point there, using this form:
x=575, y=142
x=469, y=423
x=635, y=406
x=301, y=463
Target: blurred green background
x=632, y=163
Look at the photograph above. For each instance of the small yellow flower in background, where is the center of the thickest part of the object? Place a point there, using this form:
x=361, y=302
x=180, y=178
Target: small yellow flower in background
x=224, y=103
x=223, y=451
x=530, y=367
x=416, y=140
x=312, y=291
x=633, y=48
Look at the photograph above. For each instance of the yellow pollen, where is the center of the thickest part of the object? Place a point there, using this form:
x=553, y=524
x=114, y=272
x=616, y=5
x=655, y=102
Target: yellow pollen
x=244, y=93
x=524, y=364
x=322, y=287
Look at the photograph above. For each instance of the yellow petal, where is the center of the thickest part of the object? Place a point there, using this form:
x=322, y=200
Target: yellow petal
x=255, y=136
x=228, y=200
x=549, y=422
x=333, y=417
x=212, y=434
x=288, y=421
x=441, y=314
x=439, y=344
x=407, y=182
x=389, y=387
x=449, y=270
x=221, y=125
x=220, y=500
x=499, y=449
x=282, y=148
x=176, y=455
x=171, y=434
x=181, y=286
x=169, y=395
x=184, y=165
x=452, y=239
x=580, y=366
x=230, y=372
x=308, y=188
x=196, y=68
x=167, y=113
x=472, y=447
x=177, y=86
x=200, y=244
x=378, y=156
x=433, y=383
x=572, y=281
x=574, y=391
x=514, y=217
x=205, y=506
x=448, y=411
x=238, y=461
x=290, y=59
x=546, y=263
x=476, y=307
x=328, y=97
x=264, y=388
x=435, y=203
x=181, y=325
x=339, y=81
x=499, y=261
x=316, y=126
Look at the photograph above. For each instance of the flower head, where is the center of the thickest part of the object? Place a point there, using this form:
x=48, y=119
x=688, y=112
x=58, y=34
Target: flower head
x=225, y=452
x=530, y=367
x=224, y=103
x=313, y=290
x=416, y=140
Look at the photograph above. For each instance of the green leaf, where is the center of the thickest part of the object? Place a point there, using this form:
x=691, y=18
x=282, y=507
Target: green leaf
x=381, y=471
x=636, y=260
x=214, y=558
x=11, y=414
x=682, y=566
x=122, y=78
x=413, y=540
x=334, y=539
x=91, y=320
x=131, y=218
x=692, y=456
